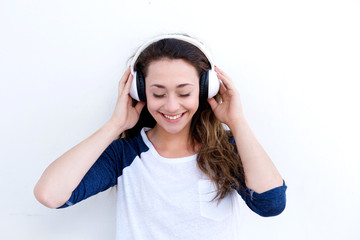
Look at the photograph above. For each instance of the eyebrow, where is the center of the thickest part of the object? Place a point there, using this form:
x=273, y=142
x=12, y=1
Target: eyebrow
x=178, y=86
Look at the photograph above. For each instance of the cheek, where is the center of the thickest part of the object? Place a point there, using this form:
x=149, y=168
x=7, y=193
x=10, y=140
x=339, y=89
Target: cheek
x=191, y=103
x=194, y=100
x=153, y=105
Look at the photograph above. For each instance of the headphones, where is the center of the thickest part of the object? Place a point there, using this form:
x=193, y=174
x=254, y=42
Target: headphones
x=209, y=82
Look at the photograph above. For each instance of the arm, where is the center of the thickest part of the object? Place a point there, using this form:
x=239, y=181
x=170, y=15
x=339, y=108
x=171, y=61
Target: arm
x=61, y=177
x=261, y=174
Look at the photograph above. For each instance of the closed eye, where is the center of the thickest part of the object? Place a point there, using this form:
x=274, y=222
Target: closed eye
x=159, y=96
x=162, y=95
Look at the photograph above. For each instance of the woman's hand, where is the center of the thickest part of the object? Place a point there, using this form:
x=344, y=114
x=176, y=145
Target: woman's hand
x=229, y=111
x=125, y=116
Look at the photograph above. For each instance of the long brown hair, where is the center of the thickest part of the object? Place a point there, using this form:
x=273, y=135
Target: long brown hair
x=217, y=157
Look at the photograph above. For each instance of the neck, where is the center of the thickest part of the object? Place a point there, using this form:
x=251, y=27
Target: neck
x=171, y=145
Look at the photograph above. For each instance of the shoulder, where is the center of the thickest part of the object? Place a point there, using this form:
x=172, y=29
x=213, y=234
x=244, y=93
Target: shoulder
x=135, y=145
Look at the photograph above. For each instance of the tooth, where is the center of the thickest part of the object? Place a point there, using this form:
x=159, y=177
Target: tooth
x=173, y=117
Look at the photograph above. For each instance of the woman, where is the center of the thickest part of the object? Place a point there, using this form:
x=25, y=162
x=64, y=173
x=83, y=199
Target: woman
x=179, y=172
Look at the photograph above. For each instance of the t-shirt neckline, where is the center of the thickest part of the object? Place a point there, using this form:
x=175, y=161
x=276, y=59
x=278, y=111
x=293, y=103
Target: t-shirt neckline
x=158, y=156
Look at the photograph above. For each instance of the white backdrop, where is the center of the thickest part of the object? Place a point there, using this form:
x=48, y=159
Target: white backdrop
x=295, y=63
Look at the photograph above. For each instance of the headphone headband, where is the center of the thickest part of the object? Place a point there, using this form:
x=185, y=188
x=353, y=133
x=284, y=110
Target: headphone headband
x=191, y=40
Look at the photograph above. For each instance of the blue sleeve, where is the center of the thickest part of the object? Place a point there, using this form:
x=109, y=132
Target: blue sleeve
x=101, y=176
x=266, y=204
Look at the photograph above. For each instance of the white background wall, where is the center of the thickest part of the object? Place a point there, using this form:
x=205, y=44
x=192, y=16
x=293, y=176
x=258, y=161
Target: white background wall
x=295, y=63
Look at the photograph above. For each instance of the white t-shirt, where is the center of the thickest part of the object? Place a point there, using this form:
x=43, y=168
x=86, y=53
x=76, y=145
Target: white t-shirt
x=165, y=198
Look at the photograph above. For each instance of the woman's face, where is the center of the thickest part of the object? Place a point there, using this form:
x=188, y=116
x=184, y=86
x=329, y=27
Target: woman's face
x=172, y=93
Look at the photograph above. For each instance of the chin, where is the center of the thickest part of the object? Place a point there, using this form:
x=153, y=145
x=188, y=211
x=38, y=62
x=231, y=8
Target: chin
x=174, y=130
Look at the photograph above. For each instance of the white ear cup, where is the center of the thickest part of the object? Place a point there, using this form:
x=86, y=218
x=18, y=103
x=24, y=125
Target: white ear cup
x=133, y=88
x=214, y=84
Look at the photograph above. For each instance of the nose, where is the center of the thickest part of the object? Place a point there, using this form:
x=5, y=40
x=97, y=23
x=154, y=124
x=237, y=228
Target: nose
x=172, y=104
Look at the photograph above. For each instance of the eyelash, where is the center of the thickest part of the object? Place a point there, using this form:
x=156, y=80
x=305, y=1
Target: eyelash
x=160, y=96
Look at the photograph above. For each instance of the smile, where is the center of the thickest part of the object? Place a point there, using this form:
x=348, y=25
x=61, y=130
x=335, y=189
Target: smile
x=172, y=117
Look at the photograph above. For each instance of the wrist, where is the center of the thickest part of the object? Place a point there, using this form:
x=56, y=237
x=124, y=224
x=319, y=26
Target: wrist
x=235, y=123
x=113, y=128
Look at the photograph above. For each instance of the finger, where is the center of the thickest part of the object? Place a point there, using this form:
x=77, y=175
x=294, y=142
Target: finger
x=222, y=89
x=128, y=83
x=125, y=77
x=124, y=87
x=213, y=103
x=224, y=78
x=218, y=70
x=225, y=81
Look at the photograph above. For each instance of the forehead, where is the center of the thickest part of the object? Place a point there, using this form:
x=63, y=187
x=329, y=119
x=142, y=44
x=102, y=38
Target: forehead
x=169, y=72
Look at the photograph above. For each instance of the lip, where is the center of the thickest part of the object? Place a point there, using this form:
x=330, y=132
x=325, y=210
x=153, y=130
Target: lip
x=172, y=115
